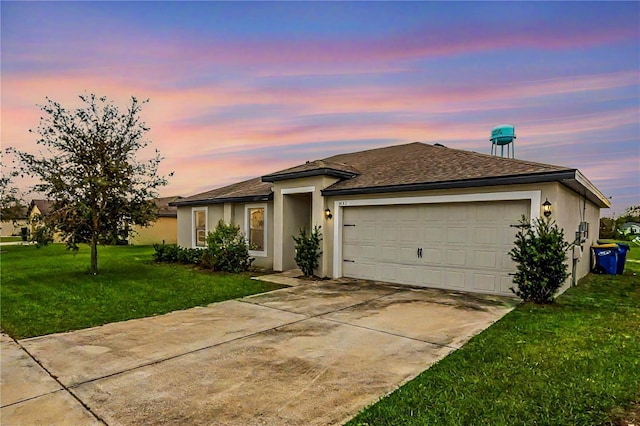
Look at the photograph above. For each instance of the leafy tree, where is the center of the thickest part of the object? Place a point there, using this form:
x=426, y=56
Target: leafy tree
x=11, y=207
x=90, y=170
x=540, y=252
x=308, y=250
x=227, y=249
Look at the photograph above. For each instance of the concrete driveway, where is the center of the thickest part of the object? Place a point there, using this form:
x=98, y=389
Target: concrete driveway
x=313, y=354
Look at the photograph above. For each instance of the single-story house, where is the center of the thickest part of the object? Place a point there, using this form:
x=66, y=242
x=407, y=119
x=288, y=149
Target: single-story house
x=630, y=228
x=13, y=226
x=164, y=230
x=37, y=210
x=418, y=214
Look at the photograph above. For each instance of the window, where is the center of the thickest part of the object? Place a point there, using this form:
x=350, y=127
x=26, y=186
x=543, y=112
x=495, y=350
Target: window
x=256, y=221
x=199, y=227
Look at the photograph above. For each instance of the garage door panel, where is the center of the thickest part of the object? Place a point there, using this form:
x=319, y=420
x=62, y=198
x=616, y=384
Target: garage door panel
x=407, y=274
x=408, y=234
x=485, y=259
x=432, y=255
x=485, y=282
x=456, y=257
x=454, y=279
x=464, y=245
x=486, y=236
x=389, y=233
x=432, y=235
x=431, y=277
x=366, y=232
x=455, y=213
x=487, y=212
x=457, y=235
x=387, y=254
x=506, y=282
x=407, y=254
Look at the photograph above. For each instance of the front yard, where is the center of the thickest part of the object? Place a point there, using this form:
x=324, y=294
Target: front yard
x=49, y=290
x=573, y=363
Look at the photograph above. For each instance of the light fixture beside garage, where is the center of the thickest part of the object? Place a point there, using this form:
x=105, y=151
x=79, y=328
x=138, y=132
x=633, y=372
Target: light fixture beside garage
x=327, y=213
x=546, y=208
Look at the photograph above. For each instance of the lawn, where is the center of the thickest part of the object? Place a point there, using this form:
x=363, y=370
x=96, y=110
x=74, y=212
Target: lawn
x=576, y=362
x=49, y=290
x=10, y=239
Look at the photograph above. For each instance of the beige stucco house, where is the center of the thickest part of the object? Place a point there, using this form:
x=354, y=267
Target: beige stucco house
x=164, y=230
x=417, y=214
x=12, y=227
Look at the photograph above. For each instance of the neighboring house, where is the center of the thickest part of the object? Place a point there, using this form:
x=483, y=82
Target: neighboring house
x=164, y=230
x=628, y=228
x=37, y=210
x=417, y=214
x=10, y=227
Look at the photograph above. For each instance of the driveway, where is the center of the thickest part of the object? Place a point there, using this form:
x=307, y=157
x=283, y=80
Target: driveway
x=313, y=354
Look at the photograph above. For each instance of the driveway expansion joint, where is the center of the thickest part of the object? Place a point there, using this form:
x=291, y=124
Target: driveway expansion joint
x=62, y=385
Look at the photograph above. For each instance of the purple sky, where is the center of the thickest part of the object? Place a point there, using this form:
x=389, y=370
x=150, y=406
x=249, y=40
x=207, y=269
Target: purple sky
x=239, y=90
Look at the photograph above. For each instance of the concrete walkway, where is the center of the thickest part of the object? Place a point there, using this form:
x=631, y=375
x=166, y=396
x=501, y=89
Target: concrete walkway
x=312, y=354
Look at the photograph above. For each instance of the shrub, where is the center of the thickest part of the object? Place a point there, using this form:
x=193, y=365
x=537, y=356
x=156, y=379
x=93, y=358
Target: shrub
x=192, y=256
x=227, y=249
x=540, y=253
x=172, y=253
x=308, y=250
x=165, y=252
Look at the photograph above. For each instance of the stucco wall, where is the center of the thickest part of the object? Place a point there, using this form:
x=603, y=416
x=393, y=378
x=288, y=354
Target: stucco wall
x=318, y=206
x=568, y=210
x=215, y=212
x=9, y=228
x=238, y=216
x=163, y=229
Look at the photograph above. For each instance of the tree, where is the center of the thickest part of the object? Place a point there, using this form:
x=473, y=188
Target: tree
x=90, y=170
x=540, y=252
x=11, y=207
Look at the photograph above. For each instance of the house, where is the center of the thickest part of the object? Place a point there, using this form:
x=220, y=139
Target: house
x=164, y=230
x=13, y=221
x=418, y=214
x=630, y=228
x=37, y=210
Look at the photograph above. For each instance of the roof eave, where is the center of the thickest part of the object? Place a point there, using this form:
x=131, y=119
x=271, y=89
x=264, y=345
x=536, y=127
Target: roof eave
x=246, y=199
x=325, y=171
x=465, y=183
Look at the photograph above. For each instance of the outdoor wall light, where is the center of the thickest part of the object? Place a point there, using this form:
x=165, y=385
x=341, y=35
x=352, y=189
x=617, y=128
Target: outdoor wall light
x=327, y=213
x=546, y=208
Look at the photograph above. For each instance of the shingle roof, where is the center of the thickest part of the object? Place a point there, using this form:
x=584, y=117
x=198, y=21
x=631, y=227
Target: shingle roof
x=45, y=206
x=418, y=163
x=164, y=209
x=314, y=168
x=399, y=166
x=249, y=189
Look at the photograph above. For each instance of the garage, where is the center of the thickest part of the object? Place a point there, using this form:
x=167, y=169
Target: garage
x=457, y=246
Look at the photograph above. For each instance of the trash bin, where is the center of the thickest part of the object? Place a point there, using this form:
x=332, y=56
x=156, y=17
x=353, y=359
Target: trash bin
x=622, y=256
x=604, y=258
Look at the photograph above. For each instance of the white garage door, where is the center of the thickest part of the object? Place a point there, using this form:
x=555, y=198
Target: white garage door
x=459, y=246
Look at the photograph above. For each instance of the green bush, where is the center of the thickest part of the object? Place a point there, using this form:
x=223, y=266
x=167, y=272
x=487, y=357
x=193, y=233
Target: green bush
x=540, y=253
x=227, y=249
x=165, y=253
x=172, y=253
x=308, y=250
x=192, y=256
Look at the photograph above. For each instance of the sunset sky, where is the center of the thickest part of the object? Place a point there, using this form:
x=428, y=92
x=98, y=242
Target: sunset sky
x=239, y=90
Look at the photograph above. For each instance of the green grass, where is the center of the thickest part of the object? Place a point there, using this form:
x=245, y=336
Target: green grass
x=576, y=362
x=49, y=290
x=10, y=239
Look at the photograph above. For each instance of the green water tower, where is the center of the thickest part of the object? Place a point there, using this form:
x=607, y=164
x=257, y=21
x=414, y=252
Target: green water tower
x=503, y=136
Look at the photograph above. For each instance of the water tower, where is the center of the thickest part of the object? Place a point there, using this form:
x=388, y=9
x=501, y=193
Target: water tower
x=503, y=136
